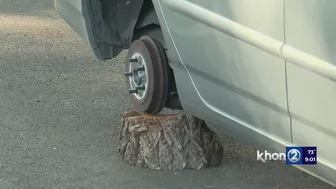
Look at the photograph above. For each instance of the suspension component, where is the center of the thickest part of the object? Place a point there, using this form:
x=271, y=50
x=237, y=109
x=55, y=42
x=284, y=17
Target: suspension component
x=141, y=68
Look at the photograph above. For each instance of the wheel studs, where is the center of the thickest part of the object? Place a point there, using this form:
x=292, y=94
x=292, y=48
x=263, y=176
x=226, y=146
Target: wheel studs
x=141, y=68
x=128, y=74
x=137, y=88
x=136, y=76
x=131, y=91
x=140, y=87
x=132, y=60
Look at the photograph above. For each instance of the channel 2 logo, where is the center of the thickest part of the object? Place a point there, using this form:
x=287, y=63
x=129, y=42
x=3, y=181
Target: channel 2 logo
x=294, y=155
x=299, y=155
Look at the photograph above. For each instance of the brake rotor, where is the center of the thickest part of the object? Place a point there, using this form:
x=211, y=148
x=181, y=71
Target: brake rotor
x=148, y=75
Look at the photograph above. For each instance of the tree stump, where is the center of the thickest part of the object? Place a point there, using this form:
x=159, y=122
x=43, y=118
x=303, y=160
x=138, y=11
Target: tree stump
x=168, y=142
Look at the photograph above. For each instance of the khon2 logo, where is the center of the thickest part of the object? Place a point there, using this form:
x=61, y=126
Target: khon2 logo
x=295, y=155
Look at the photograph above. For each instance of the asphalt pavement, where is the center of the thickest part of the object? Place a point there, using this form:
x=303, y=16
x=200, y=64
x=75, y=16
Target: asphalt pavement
x=60, y=109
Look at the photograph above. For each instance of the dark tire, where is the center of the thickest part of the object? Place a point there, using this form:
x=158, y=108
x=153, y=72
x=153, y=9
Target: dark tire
x=155, y=77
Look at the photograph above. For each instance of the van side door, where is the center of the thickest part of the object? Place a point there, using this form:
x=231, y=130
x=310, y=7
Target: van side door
x=311, y=28
x=241, y=81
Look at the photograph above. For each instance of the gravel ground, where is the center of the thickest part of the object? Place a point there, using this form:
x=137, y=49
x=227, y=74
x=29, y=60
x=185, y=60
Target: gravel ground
x=60, y=109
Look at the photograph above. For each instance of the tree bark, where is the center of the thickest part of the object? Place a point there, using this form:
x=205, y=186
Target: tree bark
x=168, y=142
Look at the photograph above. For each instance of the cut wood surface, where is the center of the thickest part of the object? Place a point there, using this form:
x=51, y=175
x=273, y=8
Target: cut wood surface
x=168, y=142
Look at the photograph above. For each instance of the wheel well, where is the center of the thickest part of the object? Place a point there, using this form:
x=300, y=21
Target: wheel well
x=113, y=25
x=148, y=24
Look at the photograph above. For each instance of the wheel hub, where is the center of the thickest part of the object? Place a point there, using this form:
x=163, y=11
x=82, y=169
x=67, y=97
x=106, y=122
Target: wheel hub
x=147, y=75
x=138, y=76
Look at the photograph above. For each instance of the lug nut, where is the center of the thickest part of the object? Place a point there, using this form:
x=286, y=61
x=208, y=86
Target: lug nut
x=128, y=73
x=131, y=91
x=140, y=87
x=132, y=60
